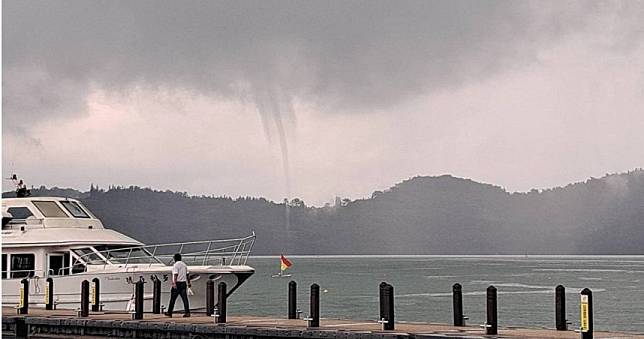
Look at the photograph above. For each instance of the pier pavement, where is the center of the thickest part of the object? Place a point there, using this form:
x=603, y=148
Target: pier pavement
x=43, y=324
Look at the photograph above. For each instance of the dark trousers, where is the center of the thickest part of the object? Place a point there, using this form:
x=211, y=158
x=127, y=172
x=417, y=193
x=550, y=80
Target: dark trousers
x=183, y=292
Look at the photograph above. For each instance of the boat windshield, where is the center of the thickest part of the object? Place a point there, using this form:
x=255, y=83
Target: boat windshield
x=126, y=255
x=50, y=209
x=74, y=209
x=89, y=256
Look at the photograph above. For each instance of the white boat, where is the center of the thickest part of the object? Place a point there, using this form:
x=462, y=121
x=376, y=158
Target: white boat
x=45, y=237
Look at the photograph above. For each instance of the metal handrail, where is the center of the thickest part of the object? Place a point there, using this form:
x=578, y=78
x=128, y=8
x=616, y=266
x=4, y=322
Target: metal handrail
x=238, y=249
x=32, y=274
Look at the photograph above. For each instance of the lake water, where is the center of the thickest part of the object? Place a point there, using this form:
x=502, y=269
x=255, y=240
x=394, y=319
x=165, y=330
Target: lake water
x=423, y=285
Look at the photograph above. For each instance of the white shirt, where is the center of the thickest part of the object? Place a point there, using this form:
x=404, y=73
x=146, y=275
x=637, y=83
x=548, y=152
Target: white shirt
x=181, y=270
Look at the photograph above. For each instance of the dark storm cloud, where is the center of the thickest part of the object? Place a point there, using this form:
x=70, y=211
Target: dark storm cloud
x=352, y=55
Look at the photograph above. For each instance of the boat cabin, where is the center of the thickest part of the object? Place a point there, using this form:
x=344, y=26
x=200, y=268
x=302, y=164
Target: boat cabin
x=47, y=236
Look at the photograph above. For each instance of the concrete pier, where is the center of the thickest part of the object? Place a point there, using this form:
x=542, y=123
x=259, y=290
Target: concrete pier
x=41, y=323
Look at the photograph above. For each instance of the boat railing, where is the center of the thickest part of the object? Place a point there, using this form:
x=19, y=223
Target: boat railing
x=40, y=273
x=224, y=252
x=28, y=274
x=37, y=274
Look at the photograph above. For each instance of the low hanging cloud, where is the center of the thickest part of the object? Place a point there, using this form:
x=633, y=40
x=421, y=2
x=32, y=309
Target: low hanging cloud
x=343, y=60
x=346, y=56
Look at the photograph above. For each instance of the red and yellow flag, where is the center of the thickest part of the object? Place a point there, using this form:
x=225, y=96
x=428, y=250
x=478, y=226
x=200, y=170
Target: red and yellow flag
x=284, y=263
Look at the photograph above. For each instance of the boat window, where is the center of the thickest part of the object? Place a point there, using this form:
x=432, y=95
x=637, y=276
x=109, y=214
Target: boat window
x=22, y=265
x=19, y=212
x=89, y=256
x=50, y=209
x=66, y=261
x=56, y=264
x=75, y=210
x=4, y=266
x=78, y=267
x=130, y=255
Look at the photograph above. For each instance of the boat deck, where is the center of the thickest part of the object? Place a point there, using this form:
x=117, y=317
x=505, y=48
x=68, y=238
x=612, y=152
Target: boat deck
x=280, y=327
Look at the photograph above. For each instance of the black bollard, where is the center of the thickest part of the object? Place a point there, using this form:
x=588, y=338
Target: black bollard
x=23, y=307
x=221, y=302
x=210, y=297
x=156, y=295
x=382, y=301
x=491, y=324
x=138, y=300
x=457, y=304
x=292, y=300
x=84, y=309
x=314, y=316
x=388, y=303
x=560, y=308
x=586, y=313
x=96, y=295
x=49, y=294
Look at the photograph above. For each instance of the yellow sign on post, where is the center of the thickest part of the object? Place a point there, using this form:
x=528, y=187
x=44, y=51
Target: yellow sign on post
x=585, y=317
x=22, y=297
x=93, y=294
x=47, y=294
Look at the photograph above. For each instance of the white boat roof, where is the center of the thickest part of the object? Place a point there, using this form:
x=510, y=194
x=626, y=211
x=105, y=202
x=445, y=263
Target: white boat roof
x=55, y=221
x=61, y=237
x=62, y=219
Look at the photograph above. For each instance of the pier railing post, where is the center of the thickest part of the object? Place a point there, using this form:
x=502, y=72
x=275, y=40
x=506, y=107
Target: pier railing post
x=156, y=295
x=292, y=300
x=457, y=304
x=314, y=316
x=586, y=313
x=491, y=326
x=96, y=295
x=560, y=308
x=84, y=308
x=138, y=300
x=210, y=297
x=221, y=303
x=49, y=294
x=23, y=306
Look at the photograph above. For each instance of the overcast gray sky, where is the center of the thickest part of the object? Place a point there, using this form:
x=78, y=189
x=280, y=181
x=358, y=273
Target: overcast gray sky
x=350, y=97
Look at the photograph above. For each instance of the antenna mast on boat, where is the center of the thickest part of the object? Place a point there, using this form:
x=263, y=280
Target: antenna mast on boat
x=21, y=188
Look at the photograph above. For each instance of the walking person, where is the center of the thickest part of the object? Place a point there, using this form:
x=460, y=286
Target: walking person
x=180, y=284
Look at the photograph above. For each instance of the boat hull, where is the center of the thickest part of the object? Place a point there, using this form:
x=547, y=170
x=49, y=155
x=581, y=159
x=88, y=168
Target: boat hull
x=117, y=288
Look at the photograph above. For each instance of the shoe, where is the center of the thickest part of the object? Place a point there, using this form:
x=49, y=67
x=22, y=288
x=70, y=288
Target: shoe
x=187, y=315
x=169, y=315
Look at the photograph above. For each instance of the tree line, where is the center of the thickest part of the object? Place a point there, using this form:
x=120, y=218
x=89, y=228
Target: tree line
x=421, y=215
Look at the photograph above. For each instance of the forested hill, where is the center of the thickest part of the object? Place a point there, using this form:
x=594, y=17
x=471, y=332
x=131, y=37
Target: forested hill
x=422, y=215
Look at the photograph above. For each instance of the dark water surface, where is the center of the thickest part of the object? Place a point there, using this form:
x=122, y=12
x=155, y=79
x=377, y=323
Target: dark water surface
x=423, y=285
